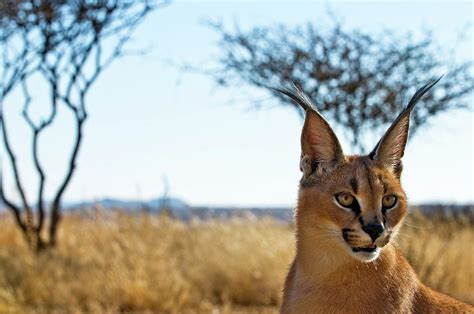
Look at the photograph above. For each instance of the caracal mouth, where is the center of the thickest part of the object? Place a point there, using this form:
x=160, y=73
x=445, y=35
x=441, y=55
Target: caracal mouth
x=365, y=254
x=369, y=249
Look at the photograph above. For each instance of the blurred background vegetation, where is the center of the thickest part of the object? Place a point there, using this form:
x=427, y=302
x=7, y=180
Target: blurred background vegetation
x=112, y=262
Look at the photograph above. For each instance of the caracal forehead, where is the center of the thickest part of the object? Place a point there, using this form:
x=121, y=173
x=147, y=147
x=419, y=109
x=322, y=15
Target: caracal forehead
x=360, y=174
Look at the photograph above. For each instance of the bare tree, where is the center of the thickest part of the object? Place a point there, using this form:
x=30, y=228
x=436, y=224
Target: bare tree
x=357, y=79
x=67, y=44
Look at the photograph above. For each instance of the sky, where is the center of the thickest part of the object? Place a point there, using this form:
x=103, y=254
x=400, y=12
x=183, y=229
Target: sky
x=150, y=122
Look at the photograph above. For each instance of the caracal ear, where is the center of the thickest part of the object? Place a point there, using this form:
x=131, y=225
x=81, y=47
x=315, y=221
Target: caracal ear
x=391, y=147
x=318, y=141
x=319, y=145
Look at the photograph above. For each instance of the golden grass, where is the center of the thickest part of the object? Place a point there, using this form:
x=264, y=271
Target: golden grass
x=149, y=264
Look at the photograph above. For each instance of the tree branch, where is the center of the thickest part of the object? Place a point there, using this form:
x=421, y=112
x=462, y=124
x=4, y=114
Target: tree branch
x=359, y=80
x=63, y=42
x=16, y=174
x=10, y=205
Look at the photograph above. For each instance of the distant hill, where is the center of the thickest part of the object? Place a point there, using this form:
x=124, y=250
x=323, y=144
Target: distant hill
x=177, y=207
x=183, y=211
x=153, y=205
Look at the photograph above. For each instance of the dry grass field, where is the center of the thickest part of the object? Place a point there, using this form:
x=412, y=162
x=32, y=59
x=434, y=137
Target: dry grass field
x=117, y=263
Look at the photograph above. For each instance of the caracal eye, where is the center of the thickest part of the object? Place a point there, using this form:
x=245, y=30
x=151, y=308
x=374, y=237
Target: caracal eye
x=389, y=201
x=345, y=199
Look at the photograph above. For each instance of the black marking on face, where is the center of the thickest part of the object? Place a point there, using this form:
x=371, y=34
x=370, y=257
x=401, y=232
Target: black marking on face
x=355, y=207
x=384, y=184
x=397, y=169
x=354, y=185
x=345, y=233
x=369, y=175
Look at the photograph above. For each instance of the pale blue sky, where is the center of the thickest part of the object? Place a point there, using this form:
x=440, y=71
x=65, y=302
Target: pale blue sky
x=147, y=120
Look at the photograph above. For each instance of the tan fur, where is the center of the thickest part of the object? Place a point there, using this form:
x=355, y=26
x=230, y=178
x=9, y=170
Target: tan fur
x=327, y=275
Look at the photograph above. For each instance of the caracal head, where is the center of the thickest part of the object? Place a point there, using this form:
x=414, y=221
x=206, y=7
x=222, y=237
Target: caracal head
x=352, y=205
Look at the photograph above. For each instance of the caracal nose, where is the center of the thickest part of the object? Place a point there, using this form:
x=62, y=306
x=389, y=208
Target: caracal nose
x=374, y=230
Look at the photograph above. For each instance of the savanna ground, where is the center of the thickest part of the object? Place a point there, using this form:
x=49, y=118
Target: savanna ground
x=119, y=263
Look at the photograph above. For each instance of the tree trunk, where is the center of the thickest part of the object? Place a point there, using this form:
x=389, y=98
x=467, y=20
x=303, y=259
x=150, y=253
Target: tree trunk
x=53, y=227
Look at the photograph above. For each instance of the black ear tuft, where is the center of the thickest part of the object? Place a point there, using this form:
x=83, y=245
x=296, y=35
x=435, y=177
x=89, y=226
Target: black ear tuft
x=298, y=97
x=419, y=93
